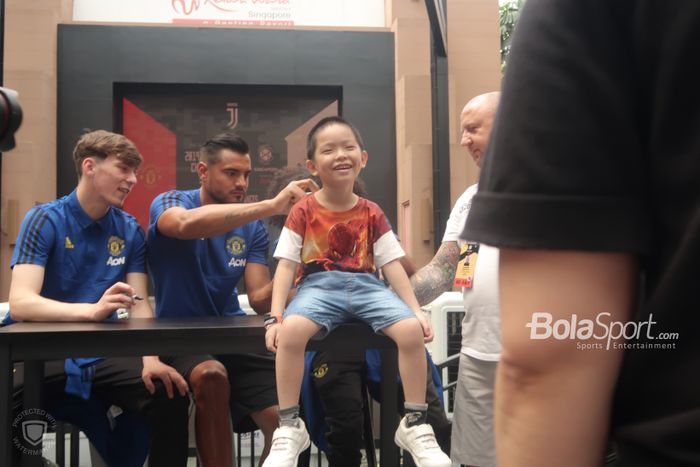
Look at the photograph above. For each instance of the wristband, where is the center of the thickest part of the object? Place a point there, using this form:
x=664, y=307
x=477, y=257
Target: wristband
x=271, y=319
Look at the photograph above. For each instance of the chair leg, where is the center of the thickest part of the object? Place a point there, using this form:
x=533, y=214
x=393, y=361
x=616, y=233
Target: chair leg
x=74, y=446
x=239, y=451
x=305, y=458
x=368, y=435
x=61, y=444
x=252, y=449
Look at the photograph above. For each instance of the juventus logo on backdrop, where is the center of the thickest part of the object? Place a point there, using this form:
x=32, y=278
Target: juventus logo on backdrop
x=232, y=108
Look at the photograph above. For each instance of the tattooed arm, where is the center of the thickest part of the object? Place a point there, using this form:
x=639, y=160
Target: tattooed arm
x=437, y=276
x=215, y=219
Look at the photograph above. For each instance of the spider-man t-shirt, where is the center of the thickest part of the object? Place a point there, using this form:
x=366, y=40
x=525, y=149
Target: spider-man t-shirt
x=357, y=240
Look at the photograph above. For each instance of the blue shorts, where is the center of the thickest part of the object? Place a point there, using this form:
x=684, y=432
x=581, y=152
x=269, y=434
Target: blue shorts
x=331, y=298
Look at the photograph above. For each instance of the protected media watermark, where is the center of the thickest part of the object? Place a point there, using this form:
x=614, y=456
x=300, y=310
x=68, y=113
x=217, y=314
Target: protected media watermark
x=601, y=333
x=28, y=429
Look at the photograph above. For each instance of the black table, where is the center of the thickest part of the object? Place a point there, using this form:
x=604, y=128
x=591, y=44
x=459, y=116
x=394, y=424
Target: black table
x=35, y=343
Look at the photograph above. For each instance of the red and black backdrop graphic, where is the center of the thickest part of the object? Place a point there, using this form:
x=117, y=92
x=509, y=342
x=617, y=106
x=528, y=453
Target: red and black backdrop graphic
x=169, y=123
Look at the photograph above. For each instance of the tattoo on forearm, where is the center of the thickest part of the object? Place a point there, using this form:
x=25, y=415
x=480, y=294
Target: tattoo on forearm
x=437, y=276
x=252, y=211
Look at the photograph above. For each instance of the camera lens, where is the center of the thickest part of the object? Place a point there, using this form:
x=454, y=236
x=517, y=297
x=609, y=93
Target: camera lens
x=10, y=118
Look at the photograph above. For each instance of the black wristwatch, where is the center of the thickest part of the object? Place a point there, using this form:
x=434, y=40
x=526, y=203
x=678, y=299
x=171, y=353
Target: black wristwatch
x=271, y=319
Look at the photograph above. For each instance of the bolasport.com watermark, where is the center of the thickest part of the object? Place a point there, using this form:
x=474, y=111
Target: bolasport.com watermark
x=601, y=333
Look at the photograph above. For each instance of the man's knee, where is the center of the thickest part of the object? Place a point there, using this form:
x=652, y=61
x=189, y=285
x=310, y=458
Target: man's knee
x=209, y=379
x=160, y=404
x=154, y=405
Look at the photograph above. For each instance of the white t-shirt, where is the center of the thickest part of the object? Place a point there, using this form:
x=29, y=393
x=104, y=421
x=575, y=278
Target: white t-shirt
x=481, y=326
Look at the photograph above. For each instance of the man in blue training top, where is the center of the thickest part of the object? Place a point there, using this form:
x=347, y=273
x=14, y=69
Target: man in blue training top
x=200, y=244
x=81, y=258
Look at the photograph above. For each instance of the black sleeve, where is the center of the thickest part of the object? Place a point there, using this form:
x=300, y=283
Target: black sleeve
x=565, y=168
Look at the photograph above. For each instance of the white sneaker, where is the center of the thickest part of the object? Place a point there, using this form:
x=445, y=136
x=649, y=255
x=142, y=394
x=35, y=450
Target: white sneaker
x=420, y=442
x=287, y=443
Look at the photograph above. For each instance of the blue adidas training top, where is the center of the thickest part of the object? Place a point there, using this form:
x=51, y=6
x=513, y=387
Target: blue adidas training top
x=81, y=257
x=199, y=277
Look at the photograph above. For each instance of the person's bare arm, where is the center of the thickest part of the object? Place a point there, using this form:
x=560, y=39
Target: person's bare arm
x=282, y=283
x=139, y=282
x=396, y=275
x=438, y=275
x=215, y=219
x=552, y=398
x=26, y=303
x=258, y=287
x=284, y=276
x=408, y=265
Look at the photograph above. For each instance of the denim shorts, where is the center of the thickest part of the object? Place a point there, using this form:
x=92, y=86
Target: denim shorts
x=331, y=298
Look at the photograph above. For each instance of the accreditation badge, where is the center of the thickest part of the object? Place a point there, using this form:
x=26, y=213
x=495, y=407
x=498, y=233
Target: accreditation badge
x=464, y=275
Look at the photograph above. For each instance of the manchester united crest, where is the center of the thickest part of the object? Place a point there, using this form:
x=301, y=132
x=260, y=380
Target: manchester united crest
x=320, y=371
x=235, y=245
x=150, y=175
x=115, y=245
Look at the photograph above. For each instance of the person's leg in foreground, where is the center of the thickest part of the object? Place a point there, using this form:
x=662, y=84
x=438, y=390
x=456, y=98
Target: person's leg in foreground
x=291, y=438
x=414, y=434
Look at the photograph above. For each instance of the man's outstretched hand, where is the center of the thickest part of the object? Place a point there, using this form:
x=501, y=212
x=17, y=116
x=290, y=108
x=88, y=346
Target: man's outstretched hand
x=292, y=193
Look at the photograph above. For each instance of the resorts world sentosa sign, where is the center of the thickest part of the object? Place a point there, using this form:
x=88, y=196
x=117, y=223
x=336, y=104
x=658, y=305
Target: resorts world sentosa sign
x=349, y=13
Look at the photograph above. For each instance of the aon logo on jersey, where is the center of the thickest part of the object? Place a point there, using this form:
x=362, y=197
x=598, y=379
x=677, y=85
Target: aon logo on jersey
x=236, y=262
x=112, y=261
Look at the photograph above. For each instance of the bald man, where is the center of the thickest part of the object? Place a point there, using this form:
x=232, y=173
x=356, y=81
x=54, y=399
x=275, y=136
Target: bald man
x=474, y=268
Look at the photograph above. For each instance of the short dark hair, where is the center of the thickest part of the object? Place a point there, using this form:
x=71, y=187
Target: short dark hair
x=101, y=144
x=211, y=150
x=359, y=187
x=326, y=122
x=283, y=177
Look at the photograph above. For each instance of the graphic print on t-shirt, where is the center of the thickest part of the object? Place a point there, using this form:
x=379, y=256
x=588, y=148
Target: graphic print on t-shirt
x=337, y=240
